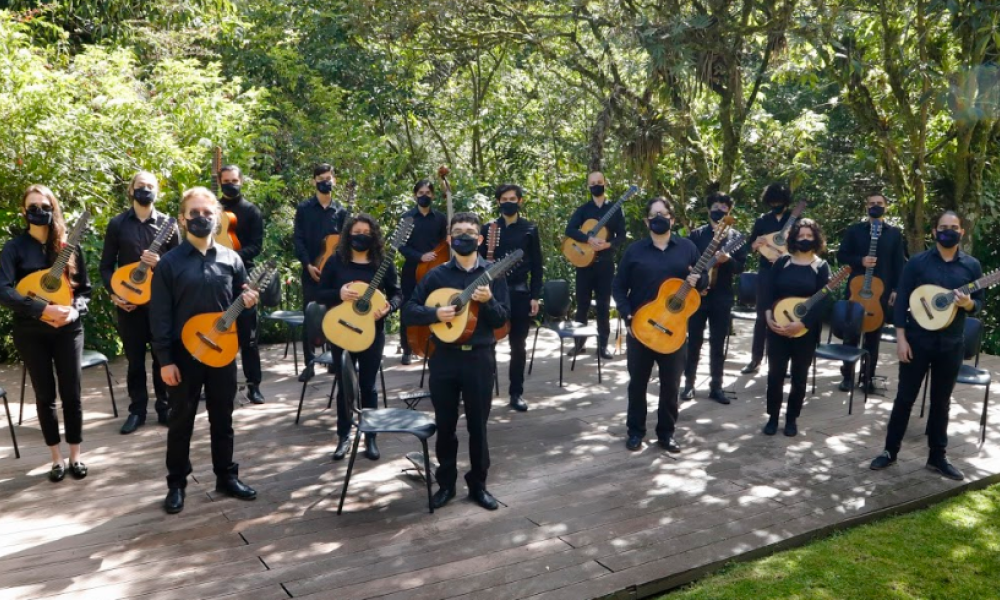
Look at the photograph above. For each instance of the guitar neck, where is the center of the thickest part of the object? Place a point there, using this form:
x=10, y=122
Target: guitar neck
x=605, y=219
x=379, y=274
x=987, y=281
x=261, y=280
x=66, y=253
x=161, y=237
x=870, y=271
x=700, y=267
x=496, y=270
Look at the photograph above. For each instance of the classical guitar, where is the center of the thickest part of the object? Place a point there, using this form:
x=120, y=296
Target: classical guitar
x=776, y=244
x=133, y=282
x=52, y=285
x=794, y=308
x=492, y=240
x=351, y=325
x=467, y=315
x=330, y=242
x=867, y=291
x=736, y=241
x=933, y=307
x=581, y=254
x=662, y=324
x=227, y=220
x=419, y=336
x=211, y=337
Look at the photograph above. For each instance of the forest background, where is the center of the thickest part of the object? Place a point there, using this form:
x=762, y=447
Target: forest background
x=839, y=98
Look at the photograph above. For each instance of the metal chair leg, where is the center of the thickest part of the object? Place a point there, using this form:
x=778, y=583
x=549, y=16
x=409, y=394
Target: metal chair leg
x=295, y=352
x=302, y=398
x=333, y=390
x=427, y=476
x=423, y=366
x=531, y=365
x=287, y=342
x=814, y=375
x=598, y=365
x=111, y=390
x=560, y=361
x=927, y=384
x=982, y=418
x=20, y=412
x=385, y=397
x=572, y=366
x=13, y=434
x=350, y=467
x=868, y=381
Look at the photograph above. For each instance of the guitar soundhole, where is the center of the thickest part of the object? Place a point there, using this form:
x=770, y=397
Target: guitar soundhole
x=800, y=310
x=779, y=240
x=50, y=284
x=941, y=302
x=675, y=305
x=866, y=295
x=138, y=276
x=362, y=306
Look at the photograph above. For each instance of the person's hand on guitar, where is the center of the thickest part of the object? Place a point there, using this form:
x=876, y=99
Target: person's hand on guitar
x=964, y=301
x=59, y=316
x=428, y=256
x=446, y=314
x=482, y=294
x=150, y=259
x=349, y=295
x=757, y=243
x=869, y=261
x=121, y=303
x=692, y=279
x=534, y=308
x=597, y=243
x=773, y=325
x=722, y=258
x=793, y=329
x=250, y=297
x=314, y=272
x=382, y=312
x=171, y=375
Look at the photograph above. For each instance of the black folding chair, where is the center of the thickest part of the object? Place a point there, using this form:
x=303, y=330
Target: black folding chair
x=293, y=321
x=845, y=322
x=555, y=308
x=90, y=359
x=10, y=423
x=382, y=420
x=746, y=304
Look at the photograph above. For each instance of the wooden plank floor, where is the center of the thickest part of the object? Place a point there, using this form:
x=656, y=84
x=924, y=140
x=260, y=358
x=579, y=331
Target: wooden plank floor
x=581, y=516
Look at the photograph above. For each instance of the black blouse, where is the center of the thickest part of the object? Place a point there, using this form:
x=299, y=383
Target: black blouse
x=24, y=255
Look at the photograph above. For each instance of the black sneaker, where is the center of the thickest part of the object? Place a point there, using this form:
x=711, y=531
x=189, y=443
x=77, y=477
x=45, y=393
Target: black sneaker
x=633, y=443
x=772, y=426
x=942, y=467
x=791, y=429
x=883, y=461
x=407, y=359
x=688, y=392
x=752, y=367
x=307, y=374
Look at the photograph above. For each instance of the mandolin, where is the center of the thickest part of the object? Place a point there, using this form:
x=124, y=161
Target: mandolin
x=52, y=285
x=662, y=324
x=776, y=244
x=737, y=241
x=794, y=308
x=462, y=327
x=133, y=282
x=867, y=291
x=419, y=336
x=227, y=220
x=582, y=254
x=492, y=240
x=330, y=242
x=211, y=337
x=351, y=325
x=933, y=307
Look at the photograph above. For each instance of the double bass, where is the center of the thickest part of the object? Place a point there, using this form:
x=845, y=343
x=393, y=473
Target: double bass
x=419, y=336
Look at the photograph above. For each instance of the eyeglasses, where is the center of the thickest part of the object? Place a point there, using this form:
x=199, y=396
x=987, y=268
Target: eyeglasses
x=39, y=208
x=659, y=214
x=194, y=214
x=947, y=227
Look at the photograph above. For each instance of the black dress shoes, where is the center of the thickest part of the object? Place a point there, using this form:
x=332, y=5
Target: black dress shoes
x=307, y=374
x=688, y=392
x=163, y=418
x=883, y=461
x=484, y=499
x=604, y=353
x=719, y=396
x=669, y=445
x=407, y=359
x=343, y=447
x=253, y=392
x=518, y=403
x=371, y=448
x=442, y=497
x=235, y=488
x=942, y=467
x=845, y=384
x=772, y=426
x=791, y=429
x=752, y=367
x=633, y=443
x=132, y=423
x=78, y=470
x=174, y=502
x=58, y=472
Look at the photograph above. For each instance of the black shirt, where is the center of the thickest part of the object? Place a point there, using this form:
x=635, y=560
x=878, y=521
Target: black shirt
x=702, y=237
x=312, y=224
x=787, y=279
x=428, y=231
x=23, y=255
x=127, y=238
x=889, y=251
x=492, y=314
x=644, y=267
x=764, y=225
x=521, y=234
x=336, y=275
x=190, y=283
x=930, y=267
x=249, y=228
x=615, y=226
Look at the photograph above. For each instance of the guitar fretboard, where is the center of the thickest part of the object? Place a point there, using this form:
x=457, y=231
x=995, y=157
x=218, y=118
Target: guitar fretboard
x=259, y=278
x=398, y=239
x=72, y=240
x=986, y=281
x=836, y=280
x=872, y=252
x=631, y=191
x=161, y=236
x=495, y=270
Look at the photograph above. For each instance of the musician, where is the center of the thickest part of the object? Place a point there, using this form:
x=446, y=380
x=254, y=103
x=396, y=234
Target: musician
x=777, y=196
x=127, y=241
x=55, y=343
x=595, y=280
x=199, y=276
x=941, y=352
x=250, y=233
x=888, y=264
x=359, y=255
x=462, y=370
x=430, y=228
x=799, y=274
x=315, y=218
x=516, y=232
x=645, y=265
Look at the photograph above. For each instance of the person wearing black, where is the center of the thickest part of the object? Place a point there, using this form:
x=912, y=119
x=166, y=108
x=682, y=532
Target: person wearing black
x=462, y=370
x=359, y=255
x=127, y=241
x=250, y=233
x=595, y=280
x=888, y=264
x=716, y=303
x=941, y=352
x=48, y=336
x=515, y=233
x=430, y=227
x=777, y=196
x=315, y=219
x=644, y=267
x=799, y=274
x=199, y=276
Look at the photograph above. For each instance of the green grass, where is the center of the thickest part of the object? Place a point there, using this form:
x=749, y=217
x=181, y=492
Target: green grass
x=947, y=552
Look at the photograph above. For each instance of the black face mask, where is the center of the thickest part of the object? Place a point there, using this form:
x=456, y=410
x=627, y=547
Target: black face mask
x=659, y=225
x=231, y=190
x=876, y=212
x=805, y=245
x=464, y=245
x=37, y=216
x=718, y=215
x=509, y=209
x=324, y=187
x=361, y=242
x=597, y=191
x=423, y=201
x=949, y=238
x=777, y=208
x=200, y=226
x=144, y=196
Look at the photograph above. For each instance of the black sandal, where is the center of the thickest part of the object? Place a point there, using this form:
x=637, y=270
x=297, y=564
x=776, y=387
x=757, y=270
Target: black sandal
x=78, y=469
x=58, y=472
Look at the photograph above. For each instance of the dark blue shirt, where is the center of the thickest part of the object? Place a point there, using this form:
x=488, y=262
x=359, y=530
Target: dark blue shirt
x=615, y=226
x=854, y=249
x=764, y=225
x=644, y=267
x=312, y=224
x=786, y=279
x=930, y=268
x=521, y=234
x=725, y=272
x=127, y=238
x=23, y=255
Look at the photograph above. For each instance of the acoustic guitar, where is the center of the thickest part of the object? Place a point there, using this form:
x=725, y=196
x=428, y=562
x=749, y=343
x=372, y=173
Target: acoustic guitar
x=133, y=282
x=867, y=291
x=351, y=325
x=737, y=241
x=794, y=308
x=227, y=220
x=211, y=337
x=581, y=254
x=933, y=307
x=52, y=285
x=492, y=240
x=662, y=324
x=330, y=242
x=776, y=244
x=462, y=327
x=419, y=336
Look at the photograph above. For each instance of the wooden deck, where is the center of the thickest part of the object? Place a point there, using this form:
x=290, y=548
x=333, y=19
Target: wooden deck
x=581, y=516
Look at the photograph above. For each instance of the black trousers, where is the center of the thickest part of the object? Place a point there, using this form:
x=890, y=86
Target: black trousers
x=640, y=366
x=133, y=327
x=367, y=363
x=44, y=348
x=467, y=377
x=309, y=290
x=220, y=393
x=943, y=358
x=715, y=310
x=760, y=328
x=781, y=350
x=520, y=325
x=872, y=341
x=407, y=283
x=246, y=331
x=595, y=281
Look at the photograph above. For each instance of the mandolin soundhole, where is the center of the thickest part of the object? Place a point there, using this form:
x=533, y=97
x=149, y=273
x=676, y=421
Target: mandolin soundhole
x=941, y=301
x=50, y=283
x=138, y=276
x=800, y=310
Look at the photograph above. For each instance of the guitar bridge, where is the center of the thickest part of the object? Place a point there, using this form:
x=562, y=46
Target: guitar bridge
x=130, y=287
x=659, y=327
x=205, y=340
x=353, y=328
x=927, y=308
